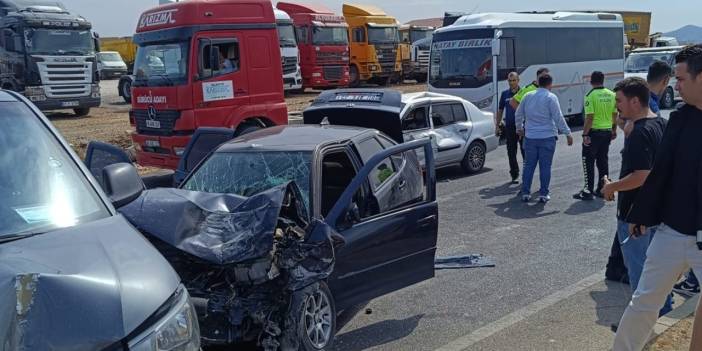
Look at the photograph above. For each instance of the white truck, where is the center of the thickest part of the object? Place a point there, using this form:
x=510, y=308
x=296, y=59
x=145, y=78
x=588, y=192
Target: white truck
x=289, y=53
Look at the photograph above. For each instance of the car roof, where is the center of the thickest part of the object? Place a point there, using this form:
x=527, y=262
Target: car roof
x=7, y=97
x=295, y=137
x=411, y=98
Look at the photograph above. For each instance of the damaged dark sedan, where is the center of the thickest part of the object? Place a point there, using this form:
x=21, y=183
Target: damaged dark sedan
x=280, y=233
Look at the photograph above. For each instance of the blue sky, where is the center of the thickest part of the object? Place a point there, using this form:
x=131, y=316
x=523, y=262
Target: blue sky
x=119, y=17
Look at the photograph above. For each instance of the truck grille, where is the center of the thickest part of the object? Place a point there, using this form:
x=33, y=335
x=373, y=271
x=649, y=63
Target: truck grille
x=167, y=118
x=66, y=79
x=386, y=54
x=289, y=65
x=333, y=72
x=423, y=58
x=330, y=58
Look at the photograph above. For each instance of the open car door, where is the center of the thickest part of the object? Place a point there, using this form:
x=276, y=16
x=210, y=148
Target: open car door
x=392, y=248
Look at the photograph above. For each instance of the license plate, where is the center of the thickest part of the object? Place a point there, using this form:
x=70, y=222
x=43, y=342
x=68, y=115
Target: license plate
x=69, y=103
x=153, y=124
x=152, y=143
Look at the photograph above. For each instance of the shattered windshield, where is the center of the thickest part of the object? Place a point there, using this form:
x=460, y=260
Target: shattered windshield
x=249, y=173
x=42, y=41
x=40, y=186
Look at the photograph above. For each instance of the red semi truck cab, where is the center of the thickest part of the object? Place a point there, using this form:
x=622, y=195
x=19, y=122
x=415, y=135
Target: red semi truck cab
x=322, y=38
x=203, y=63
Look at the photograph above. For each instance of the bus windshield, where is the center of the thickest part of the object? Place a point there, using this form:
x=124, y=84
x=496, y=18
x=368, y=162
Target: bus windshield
x=464, y=63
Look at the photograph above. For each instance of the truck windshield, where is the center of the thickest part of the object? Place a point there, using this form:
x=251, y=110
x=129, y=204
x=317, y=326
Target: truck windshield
x=286, y=35
x=639, y=62
x=330, y=36
x=417, y=34
x=41, y=41
x=110, y=57
x=382, y=35
x=462, y=63
x=249, y=173
x=161, y=64
x=41, y=187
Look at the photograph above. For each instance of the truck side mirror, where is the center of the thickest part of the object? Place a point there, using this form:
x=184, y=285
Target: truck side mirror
x=122, y=183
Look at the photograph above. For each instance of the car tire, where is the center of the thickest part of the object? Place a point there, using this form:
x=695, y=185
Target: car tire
x=246, y=128
x=668, y=99
x=313, y=317
x=474, y=159
x=125, y=88
x=82, y=111
x=354, y=78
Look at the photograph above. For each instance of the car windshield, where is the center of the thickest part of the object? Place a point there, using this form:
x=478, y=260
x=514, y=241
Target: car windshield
x=248, y=173
x=110, y=57
x=382, y=35
x=286, y=35
x=417, y=34
x=41, y=41
x=161, y=64
x=330, y=36
x=639, y=62
x=466, y=63
x=42, y=189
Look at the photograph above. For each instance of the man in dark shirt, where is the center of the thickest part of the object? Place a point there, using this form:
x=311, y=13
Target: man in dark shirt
x=510, y=129
x=671, y=198
x=640, y=148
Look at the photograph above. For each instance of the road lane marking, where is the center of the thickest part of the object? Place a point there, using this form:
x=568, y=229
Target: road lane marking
x=465, y=342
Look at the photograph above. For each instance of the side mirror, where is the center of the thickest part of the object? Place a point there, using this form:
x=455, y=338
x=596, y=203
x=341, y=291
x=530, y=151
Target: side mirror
x=353, y=216
x=122, y=183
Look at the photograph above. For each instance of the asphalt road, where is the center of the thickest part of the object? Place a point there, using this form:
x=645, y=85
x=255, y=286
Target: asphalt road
x=546, y=291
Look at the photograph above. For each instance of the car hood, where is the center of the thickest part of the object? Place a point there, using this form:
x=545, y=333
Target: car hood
x=366, y=108
x=80, y=288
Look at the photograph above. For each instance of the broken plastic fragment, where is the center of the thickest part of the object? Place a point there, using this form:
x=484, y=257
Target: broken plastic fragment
x=465, y=261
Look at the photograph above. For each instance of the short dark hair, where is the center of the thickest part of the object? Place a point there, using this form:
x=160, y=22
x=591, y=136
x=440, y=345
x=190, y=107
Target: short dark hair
x=634, y=87
x=658, y=71
x=692, y=55
x=545, y=80
x=541, y=70
x=597, y=77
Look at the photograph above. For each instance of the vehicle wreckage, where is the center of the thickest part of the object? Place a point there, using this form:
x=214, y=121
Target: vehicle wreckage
x=247, y=262
x=281, y=234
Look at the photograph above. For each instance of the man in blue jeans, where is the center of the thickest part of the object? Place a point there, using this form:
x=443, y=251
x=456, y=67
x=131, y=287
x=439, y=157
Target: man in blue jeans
x=640, y=146
x=539, y=120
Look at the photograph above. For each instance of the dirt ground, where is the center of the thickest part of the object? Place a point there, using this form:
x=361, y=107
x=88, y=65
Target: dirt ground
x=676, y=338
x=110, y=122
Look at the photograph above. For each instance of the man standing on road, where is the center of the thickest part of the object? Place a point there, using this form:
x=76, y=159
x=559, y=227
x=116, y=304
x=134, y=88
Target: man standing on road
x=541, y=113
x=638, y=156
x=672, y=199
x=598, y=132
x=510, y=130
x=517, y=98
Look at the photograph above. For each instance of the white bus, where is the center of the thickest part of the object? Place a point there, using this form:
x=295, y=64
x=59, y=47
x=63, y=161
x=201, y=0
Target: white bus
x=472, y=57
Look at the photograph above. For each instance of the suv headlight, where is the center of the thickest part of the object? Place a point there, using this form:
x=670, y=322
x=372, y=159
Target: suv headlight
x=177, y=331
x=484, y=103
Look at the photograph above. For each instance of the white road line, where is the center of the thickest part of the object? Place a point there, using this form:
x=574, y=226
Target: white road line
x=464, y=342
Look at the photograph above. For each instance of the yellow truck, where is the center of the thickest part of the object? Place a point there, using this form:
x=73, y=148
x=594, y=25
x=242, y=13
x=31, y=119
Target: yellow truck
x=637, y=26
x=415, y=42
x=373, y=45
x=124, y=46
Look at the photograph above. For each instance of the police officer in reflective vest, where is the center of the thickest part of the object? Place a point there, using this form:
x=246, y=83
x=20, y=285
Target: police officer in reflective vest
x=598, y=132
